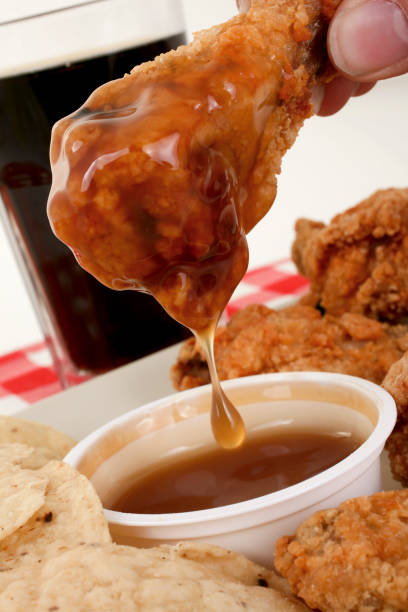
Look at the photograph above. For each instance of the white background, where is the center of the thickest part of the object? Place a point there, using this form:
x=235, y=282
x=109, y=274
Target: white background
x=335, y=162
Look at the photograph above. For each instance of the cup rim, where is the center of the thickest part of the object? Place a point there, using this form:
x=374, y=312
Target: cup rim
x=387, y=414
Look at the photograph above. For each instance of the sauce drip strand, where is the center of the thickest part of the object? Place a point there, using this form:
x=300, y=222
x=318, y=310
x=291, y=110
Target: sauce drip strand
x=160, y=175
x=226, y=422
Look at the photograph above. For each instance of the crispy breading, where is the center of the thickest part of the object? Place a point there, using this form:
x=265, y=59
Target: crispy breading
x=353, y=558
x=359, y=262
x=396, y=383
x=397, y=447
x=258, y=340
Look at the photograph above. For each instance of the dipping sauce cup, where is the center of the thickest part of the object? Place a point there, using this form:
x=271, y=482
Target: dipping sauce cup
x=309, y=401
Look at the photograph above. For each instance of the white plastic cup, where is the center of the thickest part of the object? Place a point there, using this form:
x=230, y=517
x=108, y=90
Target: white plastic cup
x=311, y=400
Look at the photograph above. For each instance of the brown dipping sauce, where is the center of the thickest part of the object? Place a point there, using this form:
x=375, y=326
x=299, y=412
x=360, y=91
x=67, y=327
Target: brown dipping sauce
x=263, y=464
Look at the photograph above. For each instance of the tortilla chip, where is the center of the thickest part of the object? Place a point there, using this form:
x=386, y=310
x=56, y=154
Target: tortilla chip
x=26, y=457
x=34, y=434
x=117, y=578
x=60, y=557
x=22, y=493
x=231, y=564
x=70, y=515
x=56, y=553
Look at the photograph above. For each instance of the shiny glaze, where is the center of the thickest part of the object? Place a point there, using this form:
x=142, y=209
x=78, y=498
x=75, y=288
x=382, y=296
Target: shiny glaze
x=156, y=180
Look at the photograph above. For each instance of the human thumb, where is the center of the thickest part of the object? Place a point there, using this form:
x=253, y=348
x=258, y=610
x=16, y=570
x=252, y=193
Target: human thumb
x=368, y=39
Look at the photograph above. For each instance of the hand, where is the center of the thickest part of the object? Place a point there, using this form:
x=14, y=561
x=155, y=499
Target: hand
x=367, y=41
x=243, y=5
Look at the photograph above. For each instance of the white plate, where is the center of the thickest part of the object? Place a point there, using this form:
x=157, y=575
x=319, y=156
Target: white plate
x=80, y=410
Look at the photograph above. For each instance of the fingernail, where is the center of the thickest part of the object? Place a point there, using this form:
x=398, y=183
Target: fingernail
x=368, y=37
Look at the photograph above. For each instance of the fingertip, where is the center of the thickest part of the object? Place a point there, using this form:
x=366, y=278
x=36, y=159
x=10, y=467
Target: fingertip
x=363, y=88
x=369, y=37
x=336, y=94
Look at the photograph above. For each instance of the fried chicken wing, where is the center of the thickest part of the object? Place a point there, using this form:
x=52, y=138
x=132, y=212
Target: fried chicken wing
x=353, y=558
x=158, y=177
x=359, y=262
x=396, y=383
x=258, y=339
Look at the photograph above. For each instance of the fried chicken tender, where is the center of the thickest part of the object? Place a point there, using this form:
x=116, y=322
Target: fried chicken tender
x=359, y=262
x=158, y=177
x=258, y=340
x=353, y=558
x=396, y=383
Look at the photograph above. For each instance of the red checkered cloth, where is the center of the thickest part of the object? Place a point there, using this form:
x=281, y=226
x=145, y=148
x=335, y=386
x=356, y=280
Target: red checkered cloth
x=27, y=375
x=274, y=285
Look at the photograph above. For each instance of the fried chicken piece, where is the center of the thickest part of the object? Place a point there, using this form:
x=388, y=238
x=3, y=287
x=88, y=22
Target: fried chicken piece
x=158, y=177
x=353, y=558
x=396, y=383
x=258, y=340
x=397, y=447
x=359, y=262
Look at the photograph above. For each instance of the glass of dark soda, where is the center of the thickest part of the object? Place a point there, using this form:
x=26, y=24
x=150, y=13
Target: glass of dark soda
x=57, y=54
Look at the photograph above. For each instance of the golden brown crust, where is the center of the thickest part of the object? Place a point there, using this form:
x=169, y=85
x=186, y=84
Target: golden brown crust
x=359, y=262
x=164, y=171
x=396, y=383
x=258, y=340
x=353, y=558
x=397, y=447
x=305, y=230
